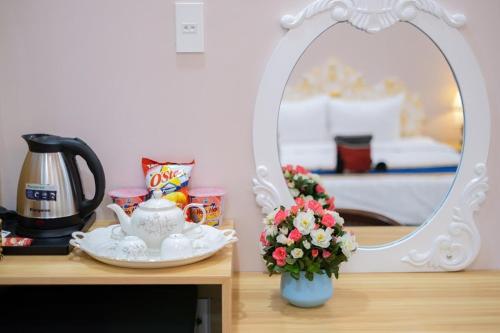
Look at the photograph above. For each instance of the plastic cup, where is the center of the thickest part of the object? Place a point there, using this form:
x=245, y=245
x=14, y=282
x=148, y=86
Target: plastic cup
x=212, y=199
x=128, y=198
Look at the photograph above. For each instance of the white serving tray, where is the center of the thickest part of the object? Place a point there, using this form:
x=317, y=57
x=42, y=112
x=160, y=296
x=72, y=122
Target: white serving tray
x=99, y=245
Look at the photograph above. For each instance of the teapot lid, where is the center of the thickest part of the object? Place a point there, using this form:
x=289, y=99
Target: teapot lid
x=157, y=202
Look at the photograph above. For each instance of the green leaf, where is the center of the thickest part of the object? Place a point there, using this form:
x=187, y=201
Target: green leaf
x=309, y=276
x=295, y=275
x=292, y=268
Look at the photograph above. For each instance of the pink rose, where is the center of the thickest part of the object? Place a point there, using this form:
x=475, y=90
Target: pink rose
x=294, y=209
x=330, y=202
x=320, y=189
x=314, y=253
x=315, y=206
x=300, y=202
x=295, y=235
x=326, y=254
x=280, y=217
x=300, y=169
x=281, y=263
x=328, y=221
x=263, y=239
x=288, y=168
x=279, y=255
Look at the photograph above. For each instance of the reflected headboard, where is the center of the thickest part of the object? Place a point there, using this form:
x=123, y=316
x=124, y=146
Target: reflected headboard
x=338, y=80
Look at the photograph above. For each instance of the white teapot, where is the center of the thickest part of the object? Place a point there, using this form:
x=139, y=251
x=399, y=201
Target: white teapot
x=155, y=219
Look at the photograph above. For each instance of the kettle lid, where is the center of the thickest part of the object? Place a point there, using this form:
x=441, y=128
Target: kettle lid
x=43, y=143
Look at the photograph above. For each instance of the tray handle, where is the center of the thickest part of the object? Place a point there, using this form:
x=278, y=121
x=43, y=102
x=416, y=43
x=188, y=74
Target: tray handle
x=230, y=236
x=78, y=236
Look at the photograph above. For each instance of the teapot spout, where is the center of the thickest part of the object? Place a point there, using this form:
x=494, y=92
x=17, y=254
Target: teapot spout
x=122, y=217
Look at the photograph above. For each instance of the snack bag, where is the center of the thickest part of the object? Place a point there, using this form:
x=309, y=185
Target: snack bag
x=171, y=178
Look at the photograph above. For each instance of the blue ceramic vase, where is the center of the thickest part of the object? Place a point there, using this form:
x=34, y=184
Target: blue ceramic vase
x=305, y=293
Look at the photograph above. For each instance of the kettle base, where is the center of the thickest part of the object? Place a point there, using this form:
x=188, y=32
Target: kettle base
x=44, y=243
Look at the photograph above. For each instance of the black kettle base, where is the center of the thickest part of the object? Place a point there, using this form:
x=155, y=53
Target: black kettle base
x=45, y=242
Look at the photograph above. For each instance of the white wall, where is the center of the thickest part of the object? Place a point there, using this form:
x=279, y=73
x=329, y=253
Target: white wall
x=107, y=71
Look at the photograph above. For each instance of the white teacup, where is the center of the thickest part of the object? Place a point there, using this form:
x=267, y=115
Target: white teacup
x=131, y=248
x=176, y=246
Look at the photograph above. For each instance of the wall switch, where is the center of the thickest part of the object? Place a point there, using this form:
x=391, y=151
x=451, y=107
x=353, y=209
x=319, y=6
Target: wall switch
x=189, y=27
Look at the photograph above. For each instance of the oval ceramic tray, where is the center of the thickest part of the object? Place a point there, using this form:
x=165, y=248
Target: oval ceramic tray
x=101, y=246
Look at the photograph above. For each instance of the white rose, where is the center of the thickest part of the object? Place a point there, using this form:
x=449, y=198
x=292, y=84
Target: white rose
x=271, y=230
x=294, y=192
x=348, y=244
x=284, y=230
x=297, y=253
x=338, y=219
x=282, y=239
x=321, y=238
x=316, y=177
x=306, y=244
x=289, y=241
x=304, y=221
x=269, y=219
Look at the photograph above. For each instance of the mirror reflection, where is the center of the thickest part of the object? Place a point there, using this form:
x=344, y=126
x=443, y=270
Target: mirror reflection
x=376, y=121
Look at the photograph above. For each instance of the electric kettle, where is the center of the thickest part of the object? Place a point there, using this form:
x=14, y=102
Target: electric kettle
x=50, y=193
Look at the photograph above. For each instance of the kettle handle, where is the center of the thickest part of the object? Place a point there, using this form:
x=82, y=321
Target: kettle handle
x=74, y=147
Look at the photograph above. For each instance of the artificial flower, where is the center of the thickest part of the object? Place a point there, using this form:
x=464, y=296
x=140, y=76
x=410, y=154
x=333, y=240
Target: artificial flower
x=306, y=244
x=279, y=253
x=314, y=253
x=294, y=209
x=263, y=238
x=321, y=238
x=294, y=192
x=284, y=230
x=300, y=202
x=295, y=235
x=338, y=219
x=271, y=230
x=315, y=206
x=301, y=170
x=326, y=254
x=297, y=253
x=348, y=244
x=304, y=222
x=327, y=220
x=282, y=239
x=280, y=217
x=320, y=189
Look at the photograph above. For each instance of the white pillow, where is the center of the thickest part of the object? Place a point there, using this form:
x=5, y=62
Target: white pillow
x=380, y=118
x=303, y=121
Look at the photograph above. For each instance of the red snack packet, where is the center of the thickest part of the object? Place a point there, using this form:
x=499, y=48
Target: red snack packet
x=169, y=177
x=17, y=241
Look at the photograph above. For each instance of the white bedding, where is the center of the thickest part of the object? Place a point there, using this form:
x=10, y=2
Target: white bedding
x=414, y=152
x=408, y=199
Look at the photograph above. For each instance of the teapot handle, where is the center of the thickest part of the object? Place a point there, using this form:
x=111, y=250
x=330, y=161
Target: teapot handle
x=199, y=206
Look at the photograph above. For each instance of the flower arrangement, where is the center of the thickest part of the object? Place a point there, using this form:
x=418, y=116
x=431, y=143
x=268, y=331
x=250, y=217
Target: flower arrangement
x=306, y=238
x=306, y=185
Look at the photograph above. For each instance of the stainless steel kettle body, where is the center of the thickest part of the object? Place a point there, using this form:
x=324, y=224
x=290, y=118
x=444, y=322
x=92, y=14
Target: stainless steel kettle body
x=49, y=194
x=45, y=188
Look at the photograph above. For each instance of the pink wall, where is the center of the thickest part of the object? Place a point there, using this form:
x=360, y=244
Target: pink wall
x=107, y=71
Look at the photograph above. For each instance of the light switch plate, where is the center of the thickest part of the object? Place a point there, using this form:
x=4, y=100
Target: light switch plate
x=189, y=28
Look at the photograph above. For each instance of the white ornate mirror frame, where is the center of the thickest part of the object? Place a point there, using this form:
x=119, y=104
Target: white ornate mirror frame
x=450, y=239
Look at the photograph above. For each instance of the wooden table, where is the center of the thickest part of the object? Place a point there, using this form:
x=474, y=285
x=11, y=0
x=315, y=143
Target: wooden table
x=80, y=269
x=378, y=302
x=369, y=236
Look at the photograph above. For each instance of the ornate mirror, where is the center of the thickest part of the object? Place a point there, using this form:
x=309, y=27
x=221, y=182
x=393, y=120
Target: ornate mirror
x=384, y=105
